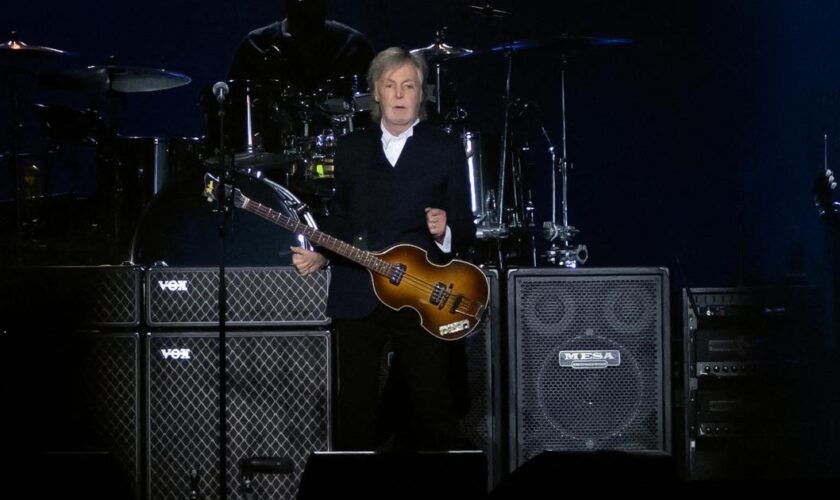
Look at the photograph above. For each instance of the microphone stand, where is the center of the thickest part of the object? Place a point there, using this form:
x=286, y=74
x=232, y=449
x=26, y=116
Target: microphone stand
x=222, y=206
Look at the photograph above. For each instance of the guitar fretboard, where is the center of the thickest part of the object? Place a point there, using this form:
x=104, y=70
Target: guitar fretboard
x=357, y=255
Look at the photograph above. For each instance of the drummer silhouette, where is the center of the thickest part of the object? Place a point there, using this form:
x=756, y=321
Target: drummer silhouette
x=304, y=49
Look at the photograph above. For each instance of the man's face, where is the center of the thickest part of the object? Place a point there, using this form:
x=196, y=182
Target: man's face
x=399, y=93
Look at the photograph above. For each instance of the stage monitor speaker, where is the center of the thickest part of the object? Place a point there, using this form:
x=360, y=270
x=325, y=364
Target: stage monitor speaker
x=278, y=405
x=407, y=476
x=589, y=360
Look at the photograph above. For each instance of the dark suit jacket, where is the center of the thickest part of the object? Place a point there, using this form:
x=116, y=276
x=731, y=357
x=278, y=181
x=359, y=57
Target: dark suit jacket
x=376, y=205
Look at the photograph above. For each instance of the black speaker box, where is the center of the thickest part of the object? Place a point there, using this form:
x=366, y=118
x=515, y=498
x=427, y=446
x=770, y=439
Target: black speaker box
x=69, y=402
x=257, y=297
x=589, y=361
x=278, y=401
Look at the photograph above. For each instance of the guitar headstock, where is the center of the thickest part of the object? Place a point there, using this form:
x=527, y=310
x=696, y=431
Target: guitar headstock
x=211, y=191
x=211, y=187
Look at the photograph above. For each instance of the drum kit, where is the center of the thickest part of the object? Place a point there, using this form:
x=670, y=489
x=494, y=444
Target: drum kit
x=495, y=220
x=274, y=134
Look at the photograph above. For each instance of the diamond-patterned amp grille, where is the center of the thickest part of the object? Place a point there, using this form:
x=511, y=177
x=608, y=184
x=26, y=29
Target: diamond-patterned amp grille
x=615, y=407
x=110, y=374
x=84, y=296
x=278, y=404
x=268, y=296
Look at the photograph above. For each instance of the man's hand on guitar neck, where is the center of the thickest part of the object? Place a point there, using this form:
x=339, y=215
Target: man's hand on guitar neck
x=307, y=261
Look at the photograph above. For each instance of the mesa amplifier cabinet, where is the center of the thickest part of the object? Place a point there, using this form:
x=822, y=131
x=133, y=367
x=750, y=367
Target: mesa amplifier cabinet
x=257, y=296
x=82, y=296
x=588, y=358
x=278, y=401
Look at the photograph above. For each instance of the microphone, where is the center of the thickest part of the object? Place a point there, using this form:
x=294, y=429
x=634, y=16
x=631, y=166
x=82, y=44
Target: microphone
x=220, y=90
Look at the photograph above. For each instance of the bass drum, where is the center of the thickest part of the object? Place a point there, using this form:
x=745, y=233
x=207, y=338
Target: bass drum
x=180, y=227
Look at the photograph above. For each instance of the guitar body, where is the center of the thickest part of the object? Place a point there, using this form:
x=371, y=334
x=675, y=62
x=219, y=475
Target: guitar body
x=450, y=299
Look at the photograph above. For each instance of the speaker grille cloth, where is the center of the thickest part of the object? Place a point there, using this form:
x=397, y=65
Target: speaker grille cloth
x=256, y=296
x=87, y=296
x=110, y=374
x=278, y=404
x=618, y=407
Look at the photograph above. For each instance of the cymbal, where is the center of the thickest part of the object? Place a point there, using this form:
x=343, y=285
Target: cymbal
x=123, y=79
x=15, y=52
x=563, y=41
x=439, y=52
x=17, y=47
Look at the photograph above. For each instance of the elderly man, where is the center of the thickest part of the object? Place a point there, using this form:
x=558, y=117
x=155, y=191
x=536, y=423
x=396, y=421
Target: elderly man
x=399, y=181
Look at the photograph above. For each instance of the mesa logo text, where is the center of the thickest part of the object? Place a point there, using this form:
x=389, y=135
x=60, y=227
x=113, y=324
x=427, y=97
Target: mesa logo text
x=589, y=360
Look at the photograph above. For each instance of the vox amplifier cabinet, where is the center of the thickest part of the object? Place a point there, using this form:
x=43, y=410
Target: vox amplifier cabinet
x=278, y=405
x=257, y=296
x=82, y=296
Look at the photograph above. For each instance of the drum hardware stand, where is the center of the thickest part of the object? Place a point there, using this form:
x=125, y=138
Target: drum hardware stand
x=566, y=255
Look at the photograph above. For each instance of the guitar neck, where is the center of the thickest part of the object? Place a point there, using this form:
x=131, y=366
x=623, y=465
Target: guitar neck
x=346, y=250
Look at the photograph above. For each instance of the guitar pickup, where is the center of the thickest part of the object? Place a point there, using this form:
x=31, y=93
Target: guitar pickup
x=440, y=295
x=397, y=275
x=456, y=303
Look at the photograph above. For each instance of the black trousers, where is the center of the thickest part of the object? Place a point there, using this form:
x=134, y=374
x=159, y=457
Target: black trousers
x=421, y=401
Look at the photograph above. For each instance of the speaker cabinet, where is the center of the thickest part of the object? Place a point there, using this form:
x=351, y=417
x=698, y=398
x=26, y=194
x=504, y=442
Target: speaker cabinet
x=257, y=296
x=69, y=400
x=589, y=360
x=278, y=400
x=483, y=422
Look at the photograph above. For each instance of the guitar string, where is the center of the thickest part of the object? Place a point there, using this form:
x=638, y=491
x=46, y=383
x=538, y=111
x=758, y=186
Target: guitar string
x=417, y=283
